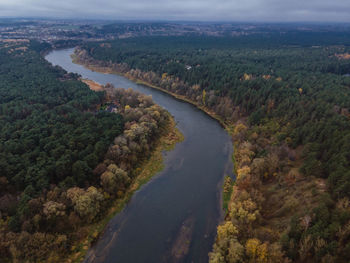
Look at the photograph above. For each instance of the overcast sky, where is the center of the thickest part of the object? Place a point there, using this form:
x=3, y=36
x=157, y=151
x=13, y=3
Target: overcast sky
x=198, y=10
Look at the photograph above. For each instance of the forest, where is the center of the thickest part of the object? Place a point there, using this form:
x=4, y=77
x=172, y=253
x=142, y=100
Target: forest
x=64, y=158
x=286, y=101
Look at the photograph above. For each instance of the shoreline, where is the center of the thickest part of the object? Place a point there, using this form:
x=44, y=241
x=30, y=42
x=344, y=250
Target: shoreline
x=148, y=169
x=228, y=127
x=270, y=188
x=107, y=70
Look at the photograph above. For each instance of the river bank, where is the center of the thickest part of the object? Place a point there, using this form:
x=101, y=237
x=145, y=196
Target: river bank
x=147, y=169
x=195, y=169
x=268, y=188
x=227, y=183
x=228, y=126
x=226, y=193
x=106, y=70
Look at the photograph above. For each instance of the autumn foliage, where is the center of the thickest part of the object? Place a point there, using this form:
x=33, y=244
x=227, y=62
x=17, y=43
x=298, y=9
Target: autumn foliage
x=289, y=108
x=88, y=159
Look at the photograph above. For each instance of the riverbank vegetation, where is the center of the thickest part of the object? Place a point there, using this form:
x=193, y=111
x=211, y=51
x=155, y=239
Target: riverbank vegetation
x=68, y=154
x=286, y=101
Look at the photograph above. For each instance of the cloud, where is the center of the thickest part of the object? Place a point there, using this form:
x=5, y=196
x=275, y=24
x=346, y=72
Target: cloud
x=202, y=10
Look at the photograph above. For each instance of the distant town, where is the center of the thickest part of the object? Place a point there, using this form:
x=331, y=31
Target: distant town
x=56, y=31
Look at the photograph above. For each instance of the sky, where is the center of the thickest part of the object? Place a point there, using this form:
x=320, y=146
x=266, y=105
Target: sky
x=185, y=10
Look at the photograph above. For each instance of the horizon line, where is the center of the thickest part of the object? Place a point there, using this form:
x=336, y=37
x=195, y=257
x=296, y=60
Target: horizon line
x=134, y=20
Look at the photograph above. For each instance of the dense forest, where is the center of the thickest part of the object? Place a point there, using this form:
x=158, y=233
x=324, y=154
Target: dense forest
x=286, y=100
x=64, y=156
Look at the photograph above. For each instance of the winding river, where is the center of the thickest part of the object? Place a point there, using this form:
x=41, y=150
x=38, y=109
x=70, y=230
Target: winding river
x=173, y=217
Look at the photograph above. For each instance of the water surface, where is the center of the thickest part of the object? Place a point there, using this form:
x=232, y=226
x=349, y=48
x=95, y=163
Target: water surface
x=172, y=218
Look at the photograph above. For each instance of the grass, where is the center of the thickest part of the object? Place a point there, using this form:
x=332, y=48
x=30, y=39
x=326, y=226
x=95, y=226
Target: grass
x=227, y=191
x=285, y=200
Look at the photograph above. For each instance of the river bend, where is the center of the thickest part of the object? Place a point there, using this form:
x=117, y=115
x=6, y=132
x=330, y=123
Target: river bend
x=173, y=217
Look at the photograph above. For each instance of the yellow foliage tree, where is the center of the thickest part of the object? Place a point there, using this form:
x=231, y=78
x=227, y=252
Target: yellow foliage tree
x=204, y=93
x=239, y=128
x=241, y=172
x=53, y=209
x=239, y=131
x=235, y=252
x=247, y=76
x=86, y=202
x=227, y=230
x=244, y=212
x=216, y=256
x=114, y=178
x=279, y=79
x=256, y=252
x=227, y=184
x=227, y=248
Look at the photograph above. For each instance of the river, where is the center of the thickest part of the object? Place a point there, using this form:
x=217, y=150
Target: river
x=173, y=217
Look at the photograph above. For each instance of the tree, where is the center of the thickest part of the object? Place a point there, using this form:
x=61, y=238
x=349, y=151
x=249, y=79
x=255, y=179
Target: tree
x=256, y=251
x=243, y=211
x=235, y=252
x=204, y=93
x=81, y=171
x=227, y=230
x=87, y=203
x=114, y=179
x=54, y=209
x=227, y=248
